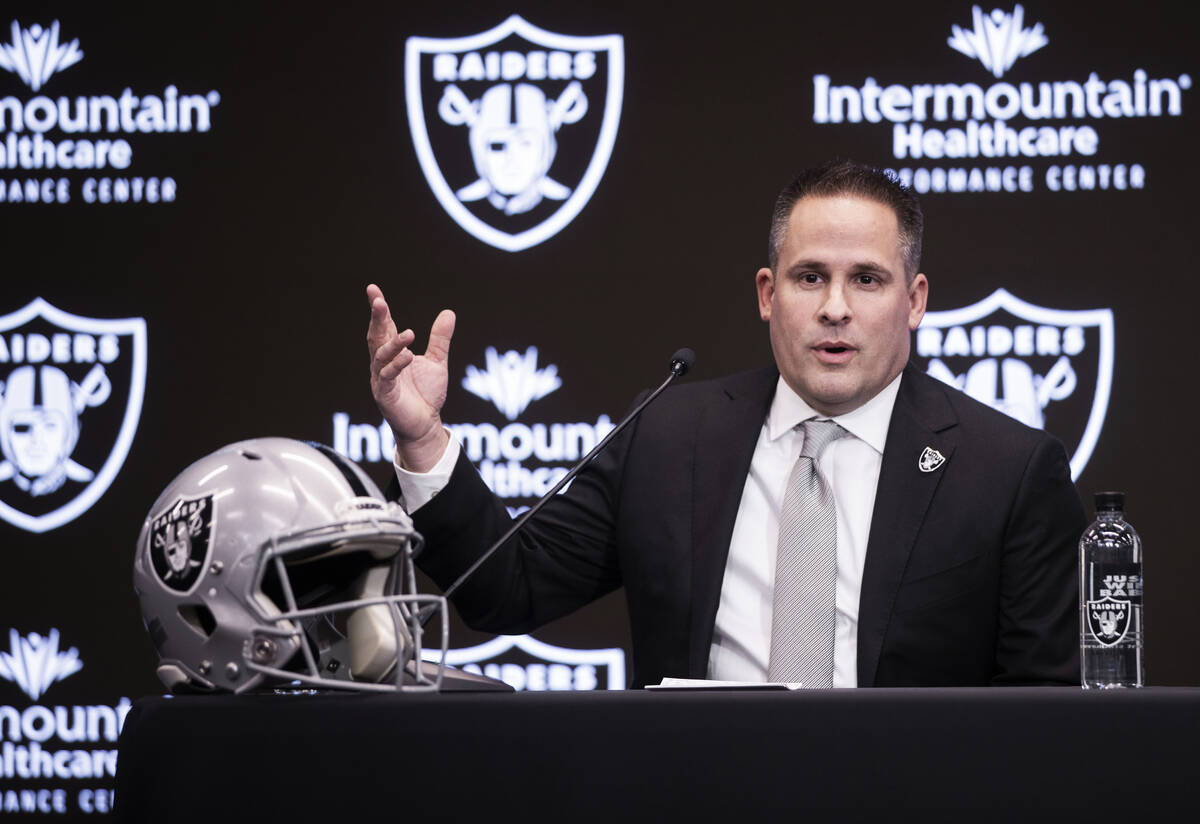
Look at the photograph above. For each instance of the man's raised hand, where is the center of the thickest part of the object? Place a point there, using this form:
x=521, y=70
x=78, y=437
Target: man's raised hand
x=410, y=389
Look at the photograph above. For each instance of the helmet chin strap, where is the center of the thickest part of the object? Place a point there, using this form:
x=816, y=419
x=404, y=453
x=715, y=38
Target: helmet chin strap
x=375, y=635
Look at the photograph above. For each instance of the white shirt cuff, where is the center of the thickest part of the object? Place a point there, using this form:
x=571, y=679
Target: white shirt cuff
x=418, y=488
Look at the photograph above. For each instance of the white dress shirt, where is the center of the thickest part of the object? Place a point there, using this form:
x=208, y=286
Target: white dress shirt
x=418, y=488
x=850, y=465
x=741, y=645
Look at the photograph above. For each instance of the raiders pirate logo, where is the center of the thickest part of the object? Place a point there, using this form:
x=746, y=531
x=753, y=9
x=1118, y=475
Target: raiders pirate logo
x=180, y=540
x=930, y=460
x=513, y=127
x=1049, y=368
x=1108, y=620
x=71, y=393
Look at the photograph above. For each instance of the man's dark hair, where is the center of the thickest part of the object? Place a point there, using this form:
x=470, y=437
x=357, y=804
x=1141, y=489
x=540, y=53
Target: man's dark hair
x=845, y=177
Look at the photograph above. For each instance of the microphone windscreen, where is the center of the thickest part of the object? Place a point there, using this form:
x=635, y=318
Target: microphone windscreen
x=682, y=361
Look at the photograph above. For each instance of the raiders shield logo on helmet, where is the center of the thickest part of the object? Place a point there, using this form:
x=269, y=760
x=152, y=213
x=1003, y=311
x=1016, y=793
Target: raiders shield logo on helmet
x=1049, y=368
x=179, y=542
x=513, y=127
x=71, y=393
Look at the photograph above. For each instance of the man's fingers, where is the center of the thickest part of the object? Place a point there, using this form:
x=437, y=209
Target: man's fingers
x=381, y=319
x=388, y=350
x=440, y=335
x=384, y=342
x=381, y=327
x=389, y=368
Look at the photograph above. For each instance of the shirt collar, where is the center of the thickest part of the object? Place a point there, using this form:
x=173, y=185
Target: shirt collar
x=868, y=423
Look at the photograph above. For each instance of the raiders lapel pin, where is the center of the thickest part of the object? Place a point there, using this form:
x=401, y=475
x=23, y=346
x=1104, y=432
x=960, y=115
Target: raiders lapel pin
x=930, y=459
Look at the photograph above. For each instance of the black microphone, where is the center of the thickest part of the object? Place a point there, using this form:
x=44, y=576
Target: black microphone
x=681, y=362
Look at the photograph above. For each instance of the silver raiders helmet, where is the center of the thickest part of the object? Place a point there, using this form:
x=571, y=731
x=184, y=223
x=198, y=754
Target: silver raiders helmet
x=274, y=563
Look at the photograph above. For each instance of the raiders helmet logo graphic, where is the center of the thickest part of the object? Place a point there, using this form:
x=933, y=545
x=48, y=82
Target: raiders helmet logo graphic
x=930, y=459
x=1108, y=620
x=524, y=662
x=1048, y=368
x=179, y=542
x=513, y=127
x=70, y=397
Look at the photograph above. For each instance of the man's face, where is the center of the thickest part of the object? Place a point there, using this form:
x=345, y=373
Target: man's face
x=839, y=308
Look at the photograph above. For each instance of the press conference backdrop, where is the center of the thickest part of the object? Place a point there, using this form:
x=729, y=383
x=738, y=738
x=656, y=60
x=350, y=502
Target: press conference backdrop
x=194, y=200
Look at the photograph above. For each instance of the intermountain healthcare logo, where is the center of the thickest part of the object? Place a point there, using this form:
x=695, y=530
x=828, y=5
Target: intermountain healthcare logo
x=34, y=662
x=514, y=126
x=1048, y=368
x=511, y=381
x=998, y=131
x=51, y=139
x=998, y=39
x=526, y=663
x=47, y=753
x=516, y=460
x=35, y=54
x=71, y=392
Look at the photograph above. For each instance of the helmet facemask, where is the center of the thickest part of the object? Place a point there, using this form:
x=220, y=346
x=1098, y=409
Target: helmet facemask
x=346, y=609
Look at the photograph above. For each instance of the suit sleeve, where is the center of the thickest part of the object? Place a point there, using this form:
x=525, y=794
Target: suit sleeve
x=563, y=559
x=1038, y=622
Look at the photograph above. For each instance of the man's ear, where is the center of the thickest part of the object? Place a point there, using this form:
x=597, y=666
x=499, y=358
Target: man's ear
x=764, y=283
x=918, y=295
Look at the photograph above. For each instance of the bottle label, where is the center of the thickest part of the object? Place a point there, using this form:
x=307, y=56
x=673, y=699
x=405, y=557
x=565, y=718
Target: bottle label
x=1110, y=609
x=1108, y=620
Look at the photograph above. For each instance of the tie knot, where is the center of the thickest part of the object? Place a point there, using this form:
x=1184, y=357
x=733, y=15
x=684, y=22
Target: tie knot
x=818, y=435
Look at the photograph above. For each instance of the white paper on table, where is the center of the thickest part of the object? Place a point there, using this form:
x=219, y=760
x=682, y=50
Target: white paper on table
x=702, y=684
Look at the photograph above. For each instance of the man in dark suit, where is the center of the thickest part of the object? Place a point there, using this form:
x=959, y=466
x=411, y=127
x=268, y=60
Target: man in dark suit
x=935, y=540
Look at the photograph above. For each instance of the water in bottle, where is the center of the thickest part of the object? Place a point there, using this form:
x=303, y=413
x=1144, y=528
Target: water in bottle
x=1110, y=598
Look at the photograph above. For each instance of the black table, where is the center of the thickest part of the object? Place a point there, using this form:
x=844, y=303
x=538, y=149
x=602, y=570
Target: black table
x=895, y=754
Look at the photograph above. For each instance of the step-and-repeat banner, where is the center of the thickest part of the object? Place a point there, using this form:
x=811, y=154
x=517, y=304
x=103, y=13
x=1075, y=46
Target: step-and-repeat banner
x=194, y=201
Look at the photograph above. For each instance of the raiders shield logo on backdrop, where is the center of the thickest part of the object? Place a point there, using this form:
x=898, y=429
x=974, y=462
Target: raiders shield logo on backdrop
x=180, y=540
x=1049, y=368
x=514, y=126
x=526, y=663
x=71, y=393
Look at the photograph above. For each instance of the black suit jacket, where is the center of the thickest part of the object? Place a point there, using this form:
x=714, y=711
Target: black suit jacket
x=970, y=574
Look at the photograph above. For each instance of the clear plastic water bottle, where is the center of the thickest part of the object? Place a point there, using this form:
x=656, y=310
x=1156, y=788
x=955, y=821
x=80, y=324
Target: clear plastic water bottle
x=1110, y=598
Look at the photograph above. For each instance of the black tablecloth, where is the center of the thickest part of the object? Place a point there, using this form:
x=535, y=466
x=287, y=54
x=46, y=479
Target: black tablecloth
x=899, y=754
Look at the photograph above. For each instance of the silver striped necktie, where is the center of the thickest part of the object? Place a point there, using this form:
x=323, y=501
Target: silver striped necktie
x=804, y=601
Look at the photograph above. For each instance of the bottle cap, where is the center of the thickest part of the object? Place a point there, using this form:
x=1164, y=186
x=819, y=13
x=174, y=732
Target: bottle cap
x=1110, y=501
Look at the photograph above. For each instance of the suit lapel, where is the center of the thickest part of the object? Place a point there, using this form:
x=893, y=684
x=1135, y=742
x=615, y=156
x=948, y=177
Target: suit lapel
x=726, y=433
x=921, y=419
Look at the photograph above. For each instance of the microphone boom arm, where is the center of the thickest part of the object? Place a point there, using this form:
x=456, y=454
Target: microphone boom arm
x=681, y=362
